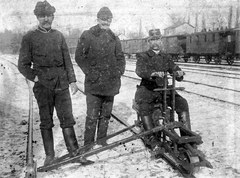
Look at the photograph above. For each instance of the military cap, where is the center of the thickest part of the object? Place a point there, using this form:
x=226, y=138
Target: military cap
x=104, y=13
x=154, y=34
x=43, y=8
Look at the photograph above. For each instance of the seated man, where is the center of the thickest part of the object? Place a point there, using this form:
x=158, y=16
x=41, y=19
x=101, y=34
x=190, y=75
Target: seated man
x=150, y=64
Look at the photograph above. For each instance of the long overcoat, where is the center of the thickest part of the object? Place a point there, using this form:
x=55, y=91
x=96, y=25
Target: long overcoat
x=99, y=55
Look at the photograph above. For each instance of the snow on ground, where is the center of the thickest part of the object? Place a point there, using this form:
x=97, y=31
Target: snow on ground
x=217, y=123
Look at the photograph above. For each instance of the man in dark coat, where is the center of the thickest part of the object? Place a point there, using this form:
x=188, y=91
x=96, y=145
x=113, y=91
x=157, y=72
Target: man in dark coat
x=44, y=59
x=150, y=64
x=99, y=55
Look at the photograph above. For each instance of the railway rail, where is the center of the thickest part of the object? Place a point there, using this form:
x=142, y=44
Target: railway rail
x=31, y=168
x=198, y=94
x=31, y=164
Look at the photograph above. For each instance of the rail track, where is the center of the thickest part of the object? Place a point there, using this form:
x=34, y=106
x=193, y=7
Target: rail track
x=31, y=164
x=195, y=93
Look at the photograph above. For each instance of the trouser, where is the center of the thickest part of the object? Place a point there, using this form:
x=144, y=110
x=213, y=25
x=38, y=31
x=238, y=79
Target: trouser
x=60, y=99
x=146, y=100
x=99, y=110
x=48, y=99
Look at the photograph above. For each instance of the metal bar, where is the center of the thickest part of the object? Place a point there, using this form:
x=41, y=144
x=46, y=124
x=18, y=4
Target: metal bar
x=31, y=171
x=98, y=150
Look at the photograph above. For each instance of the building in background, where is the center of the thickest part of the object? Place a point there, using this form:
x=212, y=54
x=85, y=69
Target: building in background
x=179, y=29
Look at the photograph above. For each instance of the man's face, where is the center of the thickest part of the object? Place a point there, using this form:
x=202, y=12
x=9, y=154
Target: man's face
x=104, y=24
x=156, y=44
x=45, y=21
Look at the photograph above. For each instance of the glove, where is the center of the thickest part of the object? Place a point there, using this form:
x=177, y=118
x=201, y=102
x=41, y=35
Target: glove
x=157, y=74
x=180, y=73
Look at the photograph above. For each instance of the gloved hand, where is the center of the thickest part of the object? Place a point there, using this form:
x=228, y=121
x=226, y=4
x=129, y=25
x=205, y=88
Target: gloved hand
x=157, y=74
x=180, y=73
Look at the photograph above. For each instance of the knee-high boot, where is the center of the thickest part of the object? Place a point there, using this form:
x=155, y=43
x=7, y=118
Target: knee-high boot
x=90, y=130
x=102, y=130
x=70, y=140
x=147, y=125
x=48, y=143
x=185, y=118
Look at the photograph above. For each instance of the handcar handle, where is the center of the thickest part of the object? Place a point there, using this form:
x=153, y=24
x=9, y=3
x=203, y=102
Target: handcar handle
x=168, y=89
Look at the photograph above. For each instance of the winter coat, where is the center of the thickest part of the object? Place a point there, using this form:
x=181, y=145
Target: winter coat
x=149, y=62
x=99, y=55
x=46, y=55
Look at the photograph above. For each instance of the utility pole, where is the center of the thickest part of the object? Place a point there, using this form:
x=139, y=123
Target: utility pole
x=140, y=28
x=237, y=15
x=230, y=17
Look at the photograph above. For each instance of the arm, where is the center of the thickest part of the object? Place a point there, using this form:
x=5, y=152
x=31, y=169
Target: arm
x=82, y=51
x=25, y=59
x=121, y=63
x=67, y=62
x=142, y=69
x=175, y=68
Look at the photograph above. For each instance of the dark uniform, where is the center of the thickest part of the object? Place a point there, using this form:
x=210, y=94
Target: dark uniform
x=148, y=63
x=44, y=53
x=99, y=55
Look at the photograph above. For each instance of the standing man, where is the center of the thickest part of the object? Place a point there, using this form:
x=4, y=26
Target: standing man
x=150, y=64
x=44, y=59
x=99, y=55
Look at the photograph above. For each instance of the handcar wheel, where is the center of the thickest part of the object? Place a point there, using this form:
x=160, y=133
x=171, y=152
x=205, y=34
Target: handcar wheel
x=185, y=157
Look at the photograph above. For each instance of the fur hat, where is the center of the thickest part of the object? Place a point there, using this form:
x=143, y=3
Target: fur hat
x=154, y=34
x=43, y=8
x=104, y=13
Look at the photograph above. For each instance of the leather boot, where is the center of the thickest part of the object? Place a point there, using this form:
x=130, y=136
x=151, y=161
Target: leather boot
x=147, y=125
x=70, y=141
x=48, y=143
x=72, y=145
x=90, y=130
x=102, y=130
x=185, y=118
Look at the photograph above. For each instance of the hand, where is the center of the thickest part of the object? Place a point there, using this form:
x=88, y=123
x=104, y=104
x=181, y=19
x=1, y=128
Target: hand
x=74, y=88
x=180, y=73
x=36, y=79
x=157, y=74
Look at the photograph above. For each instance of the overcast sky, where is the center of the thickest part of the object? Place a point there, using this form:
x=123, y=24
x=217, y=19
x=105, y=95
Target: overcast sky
x=82, y=13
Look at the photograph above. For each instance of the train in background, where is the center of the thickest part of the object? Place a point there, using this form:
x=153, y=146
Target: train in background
x=216, y=46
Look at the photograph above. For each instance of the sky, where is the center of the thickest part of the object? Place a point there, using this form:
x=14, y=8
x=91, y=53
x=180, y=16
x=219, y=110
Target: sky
x=127, y=14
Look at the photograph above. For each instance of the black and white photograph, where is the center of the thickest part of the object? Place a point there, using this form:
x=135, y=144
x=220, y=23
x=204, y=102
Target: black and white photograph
x=120, y=89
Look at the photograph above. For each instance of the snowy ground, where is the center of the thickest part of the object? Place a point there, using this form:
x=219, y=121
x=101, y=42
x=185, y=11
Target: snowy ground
x=217, y=123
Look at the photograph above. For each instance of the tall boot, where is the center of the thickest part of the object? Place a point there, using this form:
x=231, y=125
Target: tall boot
x=102, y=130
x=70, y=140
x=48, y=143
x=72, y=145
x=148, y=125
x=185, y=118
x=147, y=122
x=90, y=130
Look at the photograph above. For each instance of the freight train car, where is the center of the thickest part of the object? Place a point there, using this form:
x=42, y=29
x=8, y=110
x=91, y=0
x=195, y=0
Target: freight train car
x=214, y=46
x=133, y=46
x=175, y=46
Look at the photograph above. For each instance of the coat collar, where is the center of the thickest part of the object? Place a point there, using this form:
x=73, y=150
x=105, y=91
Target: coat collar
x=43, y=30
x=97, y=31
x=151, y=53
